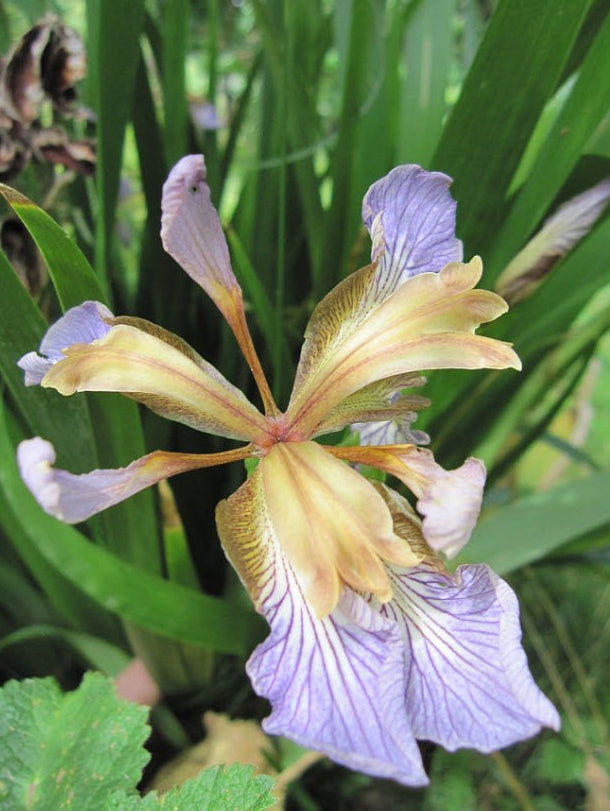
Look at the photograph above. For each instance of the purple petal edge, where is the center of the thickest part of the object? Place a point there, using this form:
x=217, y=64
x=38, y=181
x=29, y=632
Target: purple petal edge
x=410, y=216
x=79, y=325
x=468, y=682
x=191, y=230
x=74, y=497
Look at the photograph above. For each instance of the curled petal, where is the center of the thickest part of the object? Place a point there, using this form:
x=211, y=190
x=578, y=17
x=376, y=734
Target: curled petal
x=410, y=216
x=192, y=234
x=336, y=684
x=160, y=370
x=427, y=323
x=449, y=500
x=468, y=683
x=79, y=325
x=73, y=498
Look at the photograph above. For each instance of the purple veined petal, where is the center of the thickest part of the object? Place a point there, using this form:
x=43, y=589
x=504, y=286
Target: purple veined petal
x=74, y=497
x=79, y=325
x=468, y=682
x=336, y=685
x=410, y=216
x=391, y=432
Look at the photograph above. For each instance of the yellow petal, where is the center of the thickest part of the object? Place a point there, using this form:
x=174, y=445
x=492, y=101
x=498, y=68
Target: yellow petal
x=320, y=517
x=427, y=323
x=331, y=524
x=407, y=525
x=160, y=370
x=247, y=536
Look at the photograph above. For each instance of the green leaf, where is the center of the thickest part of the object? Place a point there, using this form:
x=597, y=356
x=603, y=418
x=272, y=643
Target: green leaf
x=68, y=750
x=158, y=605
x=516, y=70
x=84, y=749
x=218, y=788
x=98, y=653
x=585, y=107
x=72, y=276
x=110, y=434
x=114, y=50
x=531, y=528
x=453, y=781
x=427, y=56
x=64, y=422
x=560, y=763
x=174, y=34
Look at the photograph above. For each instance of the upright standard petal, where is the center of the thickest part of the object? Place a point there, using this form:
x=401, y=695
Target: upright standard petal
x=73, y=498
x=335, y=684
x=427, y=323
x=160, y=370
x=410, y=216
x=79, y=325
x=192, y=233
x=467, y=679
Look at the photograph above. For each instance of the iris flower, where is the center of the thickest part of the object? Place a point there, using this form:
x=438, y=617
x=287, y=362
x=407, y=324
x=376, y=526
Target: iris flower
x=373, y=643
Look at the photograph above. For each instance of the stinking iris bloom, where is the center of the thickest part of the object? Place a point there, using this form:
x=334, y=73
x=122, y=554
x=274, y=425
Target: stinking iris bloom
x=373, y=643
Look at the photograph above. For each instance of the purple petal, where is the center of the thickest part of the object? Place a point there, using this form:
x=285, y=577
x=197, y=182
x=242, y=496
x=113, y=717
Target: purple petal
x=73, y=498
x=468, y=683
x=79, y=325
x=450, y=501
x=410, y=216
x=391, y=432
x=336, y=684
x=192, y=233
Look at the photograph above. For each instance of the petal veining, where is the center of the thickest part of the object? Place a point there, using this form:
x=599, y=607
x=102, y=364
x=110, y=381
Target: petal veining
x=449, y=500
x=396, y=431
x=468, y=683
x=160, y=370
x=335, y=684
x=332, y=525
x=410, y=216
x=382, y=400
x=427, y=323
